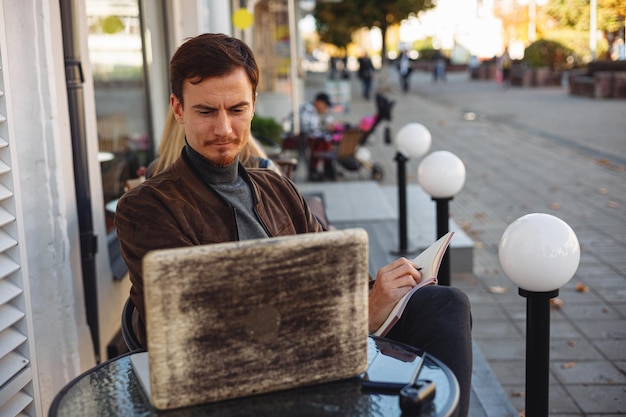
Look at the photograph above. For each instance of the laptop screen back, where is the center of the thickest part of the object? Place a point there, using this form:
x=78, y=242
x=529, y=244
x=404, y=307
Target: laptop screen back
x=240, y=318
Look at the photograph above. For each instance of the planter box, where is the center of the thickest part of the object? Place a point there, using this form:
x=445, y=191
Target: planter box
x=601, y=79
x=535, y=77
x=619, y=85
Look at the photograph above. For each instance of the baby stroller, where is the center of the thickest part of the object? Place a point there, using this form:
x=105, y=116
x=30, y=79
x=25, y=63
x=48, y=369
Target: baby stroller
x=352, y=154
x=383, y=114
x=348, y=154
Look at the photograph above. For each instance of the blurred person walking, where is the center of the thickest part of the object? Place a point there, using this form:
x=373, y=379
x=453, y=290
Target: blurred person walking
x=366, y=74
x=439, y=66
x=504, y=65
x=405, y=69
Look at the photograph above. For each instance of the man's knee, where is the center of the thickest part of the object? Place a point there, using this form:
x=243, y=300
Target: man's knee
x=447, y=307
x=441, y=297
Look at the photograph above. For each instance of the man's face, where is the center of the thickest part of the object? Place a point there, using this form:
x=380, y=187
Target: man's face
x=320, y=106
x=217, y=115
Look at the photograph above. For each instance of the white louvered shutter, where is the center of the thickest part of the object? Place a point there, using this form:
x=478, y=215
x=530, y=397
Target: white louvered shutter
x=16, y=389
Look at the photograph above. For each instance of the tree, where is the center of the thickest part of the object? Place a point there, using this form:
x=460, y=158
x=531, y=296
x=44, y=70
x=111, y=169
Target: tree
x=574, y=15
x=337, y=20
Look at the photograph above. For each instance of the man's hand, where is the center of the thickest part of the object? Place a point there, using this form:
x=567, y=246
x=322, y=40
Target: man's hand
x=392, y=282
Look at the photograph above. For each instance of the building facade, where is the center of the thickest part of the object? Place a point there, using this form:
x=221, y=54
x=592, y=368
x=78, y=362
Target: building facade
x=83, y=96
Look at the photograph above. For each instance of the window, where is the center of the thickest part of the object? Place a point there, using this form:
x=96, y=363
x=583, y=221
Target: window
x=117, y=58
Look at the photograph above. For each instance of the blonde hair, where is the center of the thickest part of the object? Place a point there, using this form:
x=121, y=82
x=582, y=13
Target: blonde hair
x=173, y=142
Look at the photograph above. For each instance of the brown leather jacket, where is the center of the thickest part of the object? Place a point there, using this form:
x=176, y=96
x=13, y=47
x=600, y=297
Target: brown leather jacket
x=175, y=209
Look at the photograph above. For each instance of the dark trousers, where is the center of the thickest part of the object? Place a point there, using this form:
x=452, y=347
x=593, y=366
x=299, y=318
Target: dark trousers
x=438, y=321
x=321, y=146
x=366, y=84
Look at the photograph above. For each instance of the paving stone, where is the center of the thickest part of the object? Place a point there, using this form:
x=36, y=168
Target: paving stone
x=613, y=349
x=575, y=350
x=610, y=328
x=587, y=372
x=603, y=399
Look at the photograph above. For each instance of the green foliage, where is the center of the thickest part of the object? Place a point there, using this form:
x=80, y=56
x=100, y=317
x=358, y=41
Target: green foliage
x=579, y=43
x=427, y=54
x=335, y=19
x=575, y=14
x=423, y=44
x=551, y=54
x=266, y=127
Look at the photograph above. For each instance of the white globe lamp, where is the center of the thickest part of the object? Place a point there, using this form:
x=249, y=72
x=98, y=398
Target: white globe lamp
x=441, y=174
x=413, y=140
x=540, y=253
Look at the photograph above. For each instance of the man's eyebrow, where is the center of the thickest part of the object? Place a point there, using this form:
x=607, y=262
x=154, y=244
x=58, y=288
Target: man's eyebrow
x=208, y=107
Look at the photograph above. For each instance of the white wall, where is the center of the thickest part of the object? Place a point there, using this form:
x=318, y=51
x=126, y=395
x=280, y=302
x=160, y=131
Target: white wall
x=40, y=120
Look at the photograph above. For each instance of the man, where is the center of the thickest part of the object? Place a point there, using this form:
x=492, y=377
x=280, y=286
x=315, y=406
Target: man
x=404, y=68
x=315, y=119
x=206, y=196
x=316, y=124
x=366, y=74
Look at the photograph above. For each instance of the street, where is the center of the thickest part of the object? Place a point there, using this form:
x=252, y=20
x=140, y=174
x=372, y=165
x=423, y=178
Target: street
x=532, y=150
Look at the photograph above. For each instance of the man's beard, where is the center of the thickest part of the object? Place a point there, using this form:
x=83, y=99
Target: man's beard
x=225, y=158
x=223, y=161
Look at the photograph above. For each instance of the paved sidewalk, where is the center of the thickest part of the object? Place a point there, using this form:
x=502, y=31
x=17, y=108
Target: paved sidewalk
x=526, y=151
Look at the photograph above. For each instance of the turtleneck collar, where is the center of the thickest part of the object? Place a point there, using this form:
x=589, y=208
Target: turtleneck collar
x=210, y=173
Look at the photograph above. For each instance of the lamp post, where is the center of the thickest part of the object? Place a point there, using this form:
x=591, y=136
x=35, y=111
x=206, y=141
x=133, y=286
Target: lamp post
x=412, y=141
x=442, y=175
x=540, y=253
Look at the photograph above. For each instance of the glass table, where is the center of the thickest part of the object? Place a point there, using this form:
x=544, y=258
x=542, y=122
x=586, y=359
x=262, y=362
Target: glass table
x=112, y=389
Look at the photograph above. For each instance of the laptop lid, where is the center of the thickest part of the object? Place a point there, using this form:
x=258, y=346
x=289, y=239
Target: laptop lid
x=240, y=318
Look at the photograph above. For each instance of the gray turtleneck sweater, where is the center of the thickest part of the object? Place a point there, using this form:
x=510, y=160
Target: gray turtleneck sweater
x=233, y=189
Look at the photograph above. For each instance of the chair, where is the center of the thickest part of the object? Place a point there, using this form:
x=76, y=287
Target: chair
x=287, y=165
x=318, y=208
x=129, y=320
x=345, y=153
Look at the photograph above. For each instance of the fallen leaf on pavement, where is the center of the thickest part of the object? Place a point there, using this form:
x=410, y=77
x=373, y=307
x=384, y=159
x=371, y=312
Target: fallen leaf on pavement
x=497, y=289
x=580, y=287
x=602, y=190
x=555, y=206
x=556, y=303
x=568, y=365
x=613, y=204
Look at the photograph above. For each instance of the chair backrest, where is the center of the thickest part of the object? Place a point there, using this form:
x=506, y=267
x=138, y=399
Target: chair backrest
x=287, y=165
x=129, y=320
x=318, y=208
x=350, y=141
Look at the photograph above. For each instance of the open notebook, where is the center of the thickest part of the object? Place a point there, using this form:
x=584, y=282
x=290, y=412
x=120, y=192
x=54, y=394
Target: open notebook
x=240, y=318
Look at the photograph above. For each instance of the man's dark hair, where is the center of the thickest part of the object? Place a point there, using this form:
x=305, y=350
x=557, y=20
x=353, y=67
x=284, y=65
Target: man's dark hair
x=324, y=98
x=210, y=55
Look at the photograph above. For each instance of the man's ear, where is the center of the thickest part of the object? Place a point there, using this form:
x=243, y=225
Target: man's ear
x=177, y=108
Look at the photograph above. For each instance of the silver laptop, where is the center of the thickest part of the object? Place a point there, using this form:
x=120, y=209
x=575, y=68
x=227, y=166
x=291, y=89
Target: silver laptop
x=242, y=318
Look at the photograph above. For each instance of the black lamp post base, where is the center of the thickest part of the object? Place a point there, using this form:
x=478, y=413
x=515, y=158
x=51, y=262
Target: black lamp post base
x=537, y=351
